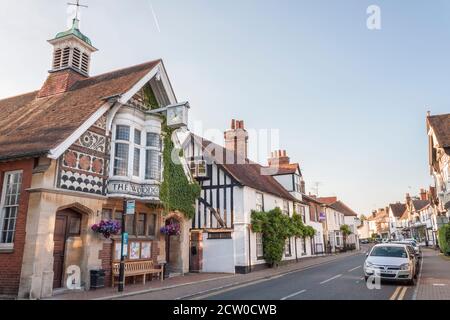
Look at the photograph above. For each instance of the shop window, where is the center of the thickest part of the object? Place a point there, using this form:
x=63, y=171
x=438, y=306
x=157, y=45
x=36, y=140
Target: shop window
x=140, y=225
x=151, y=225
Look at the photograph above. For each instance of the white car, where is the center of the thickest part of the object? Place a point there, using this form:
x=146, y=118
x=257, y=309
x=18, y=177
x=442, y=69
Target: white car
x=391, y=262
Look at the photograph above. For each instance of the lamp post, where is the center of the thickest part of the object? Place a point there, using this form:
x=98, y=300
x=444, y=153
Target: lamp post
x=122, y=256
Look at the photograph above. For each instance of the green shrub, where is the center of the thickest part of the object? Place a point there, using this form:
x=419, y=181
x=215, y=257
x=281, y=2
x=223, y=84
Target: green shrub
x=276, y=228
x=444, y=239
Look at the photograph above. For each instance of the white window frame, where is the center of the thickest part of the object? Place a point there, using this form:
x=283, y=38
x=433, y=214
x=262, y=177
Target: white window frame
x=259, y=206
x=259, y=246
x=9, y=246
x=134, y=125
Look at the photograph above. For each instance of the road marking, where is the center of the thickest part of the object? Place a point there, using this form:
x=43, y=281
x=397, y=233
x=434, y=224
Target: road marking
x=439, y=285
x=328, y=280
x=293, y=295
x=394, y=295
x=402, y=294
x=354, y=269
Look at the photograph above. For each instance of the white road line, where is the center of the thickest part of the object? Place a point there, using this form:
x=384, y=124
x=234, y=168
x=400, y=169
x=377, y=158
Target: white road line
x=293, y=295
x=328, y=280
x=354, y=269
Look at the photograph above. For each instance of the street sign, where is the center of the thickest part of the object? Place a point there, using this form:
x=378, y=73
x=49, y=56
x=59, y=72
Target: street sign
x=131, y=207
x=125, y=244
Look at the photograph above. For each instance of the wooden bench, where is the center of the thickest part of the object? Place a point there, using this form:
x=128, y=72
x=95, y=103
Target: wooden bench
x=137, y=268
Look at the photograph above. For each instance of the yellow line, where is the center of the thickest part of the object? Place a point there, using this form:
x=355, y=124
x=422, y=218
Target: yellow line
x=395, y=293
x=402, y=294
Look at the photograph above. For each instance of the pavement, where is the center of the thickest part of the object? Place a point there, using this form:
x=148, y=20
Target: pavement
x=434, y=281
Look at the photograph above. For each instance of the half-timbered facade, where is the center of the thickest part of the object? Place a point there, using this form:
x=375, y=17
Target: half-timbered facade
x=232, y=187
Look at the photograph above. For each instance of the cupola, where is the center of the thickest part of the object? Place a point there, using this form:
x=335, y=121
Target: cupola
x=72, y=50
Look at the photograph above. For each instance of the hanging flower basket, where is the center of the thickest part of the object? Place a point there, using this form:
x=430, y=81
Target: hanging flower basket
x=107, y=228
x=172, y=229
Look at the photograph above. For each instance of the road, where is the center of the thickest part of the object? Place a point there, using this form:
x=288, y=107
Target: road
x=337, y=280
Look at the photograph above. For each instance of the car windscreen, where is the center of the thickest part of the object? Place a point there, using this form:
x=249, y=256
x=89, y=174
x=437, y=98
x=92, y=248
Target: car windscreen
x=394, y=252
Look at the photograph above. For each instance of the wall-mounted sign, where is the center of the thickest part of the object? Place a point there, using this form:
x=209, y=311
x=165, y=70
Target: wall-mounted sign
x=322, y=216
x=124, y=188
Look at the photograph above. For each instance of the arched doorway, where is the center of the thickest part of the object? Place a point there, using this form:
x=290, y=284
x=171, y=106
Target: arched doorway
x=173, y=248
x=67, y=225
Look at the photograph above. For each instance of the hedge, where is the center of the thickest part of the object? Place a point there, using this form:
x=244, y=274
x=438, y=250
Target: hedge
x=444, y=239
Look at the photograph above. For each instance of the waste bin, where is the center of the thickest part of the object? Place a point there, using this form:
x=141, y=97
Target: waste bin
x=97, y=279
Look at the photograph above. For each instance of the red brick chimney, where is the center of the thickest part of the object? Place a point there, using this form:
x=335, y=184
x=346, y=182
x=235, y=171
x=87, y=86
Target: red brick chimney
x=279, y=157
x=59, y=82
x=423, y=194
x=236, y=140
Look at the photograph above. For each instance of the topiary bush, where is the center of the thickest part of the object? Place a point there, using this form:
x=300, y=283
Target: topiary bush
x=444, y=239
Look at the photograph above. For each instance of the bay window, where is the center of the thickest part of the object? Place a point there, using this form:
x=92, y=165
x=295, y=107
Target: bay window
x=9, y=206
x=137, y=153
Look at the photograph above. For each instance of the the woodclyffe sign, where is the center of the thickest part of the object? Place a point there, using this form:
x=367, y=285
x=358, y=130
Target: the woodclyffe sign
x=133, y=189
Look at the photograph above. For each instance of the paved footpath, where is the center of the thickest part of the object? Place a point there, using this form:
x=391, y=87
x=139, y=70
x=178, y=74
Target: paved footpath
x=434, y=282
x=190, y=285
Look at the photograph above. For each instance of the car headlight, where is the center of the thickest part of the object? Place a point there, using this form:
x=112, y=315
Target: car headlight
x=369, y=264
x=404, y=266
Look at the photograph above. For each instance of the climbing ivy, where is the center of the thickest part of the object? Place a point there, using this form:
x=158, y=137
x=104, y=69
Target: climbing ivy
x=276, y=228
x=177, y=193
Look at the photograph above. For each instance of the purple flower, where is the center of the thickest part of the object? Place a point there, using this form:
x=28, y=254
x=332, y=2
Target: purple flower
x=107, y=228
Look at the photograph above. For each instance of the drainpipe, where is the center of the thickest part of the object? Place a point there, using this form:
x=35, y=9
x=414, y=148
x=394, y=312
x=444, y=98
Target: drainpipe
x=296, y=255
x=249, y=249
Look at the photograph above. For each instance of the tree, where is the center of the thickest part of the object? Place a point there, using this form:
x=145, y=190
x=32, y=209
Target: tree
x=363, y=218
x=346, y=231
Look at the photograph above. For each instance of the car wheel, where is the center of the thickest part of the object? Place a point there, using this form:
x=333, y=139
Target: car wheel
x=366, y=278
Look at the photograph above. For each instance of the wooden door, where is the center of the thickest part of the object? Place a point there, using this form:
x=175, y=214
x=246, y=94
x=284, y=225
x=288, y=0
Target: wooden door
x=67, y=224
x=59, y=239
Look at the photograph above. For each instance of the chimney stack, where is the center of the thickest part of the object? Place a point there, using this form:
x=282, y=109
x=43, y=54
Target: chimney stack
x=279, y=158
x=423, y=194
x=236, y=141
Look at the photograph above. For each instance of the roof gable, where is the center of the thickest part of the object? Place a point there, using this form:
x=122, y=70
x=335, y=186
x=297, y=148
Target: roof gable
x=441, y=128
x=34, y=126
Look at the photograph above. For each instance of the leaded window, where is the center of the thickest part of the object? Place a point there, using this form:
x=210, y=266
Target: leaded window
x=9, y=206
x=259, y=246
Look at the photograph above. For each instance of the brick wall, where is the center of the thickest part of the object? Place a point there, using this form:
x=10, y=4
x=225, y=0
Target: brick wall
x=11, y=261
x=106, y=256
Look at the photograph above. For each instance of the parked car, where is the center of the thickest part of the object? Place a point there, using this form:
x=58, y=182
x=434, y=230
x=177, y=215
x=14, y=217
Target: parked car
x=385, y=241
x=392, y=261
x=415, y=245
x=364, y=241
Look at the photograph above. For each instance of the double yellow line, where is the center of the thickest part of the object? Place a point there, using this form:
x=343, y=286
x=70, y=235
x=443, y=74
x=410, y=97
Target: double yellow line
x=399, y=293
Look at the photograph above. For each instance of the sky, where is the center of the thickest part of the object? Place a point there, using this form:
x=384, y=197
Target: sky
x=350, y=103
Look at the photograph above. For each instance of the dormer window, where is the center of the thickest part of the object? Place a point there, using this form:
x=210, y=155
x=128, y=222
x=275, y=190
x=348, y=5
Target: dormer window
x=198, y=168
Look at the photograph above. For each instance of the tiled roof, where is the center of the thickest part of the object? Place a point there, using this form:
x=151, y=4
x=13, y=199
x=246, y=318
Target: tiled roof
x=343, y=208
x=441, y=127
x=247, y=174
x=327, y=200
x=33, y=126
x=420, y=204
x=398, y=209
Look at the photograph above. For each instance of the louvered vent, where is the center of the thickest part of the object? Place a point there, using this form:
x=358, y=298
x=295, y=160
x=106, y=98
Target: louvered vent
x=65, y=57
x=57, y=59
x=76, y=58
x=85, y=63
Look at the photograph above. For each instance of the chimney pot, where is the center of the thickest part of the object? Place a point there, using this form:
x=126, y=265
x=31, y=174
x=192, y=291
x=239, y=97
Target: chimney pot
x=233, y=124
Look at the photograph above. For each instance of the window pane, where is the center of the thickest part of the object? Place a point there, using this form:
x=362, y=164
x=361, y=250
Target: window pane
x=137, y=136
x=259, y=245
x=141, y=224
x=121, y=159
x=151, y=225
x=123, y=133
x=106, y=214
x=9, y=208
x=152, y=165
x=153, y=140
x=136, y=162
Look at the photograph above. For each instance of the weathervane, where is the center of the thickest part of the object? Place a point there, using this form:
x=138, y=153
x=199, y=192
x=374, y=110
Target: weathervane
x=78, y=5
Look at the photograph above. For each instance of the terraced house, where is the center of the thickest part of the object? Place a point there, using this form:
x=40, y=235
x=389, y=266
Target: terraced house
x=69, y=153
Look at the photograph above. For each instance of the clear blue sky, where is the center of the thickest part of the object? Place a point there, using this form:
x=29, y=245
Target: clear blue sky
x=350, y=103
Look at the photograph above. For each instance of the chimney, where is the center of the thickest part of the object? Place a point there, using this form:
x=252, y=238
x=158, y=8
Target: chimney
x=59, y=82
x=279, y=158
x=423, y=194
x=236, y=140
